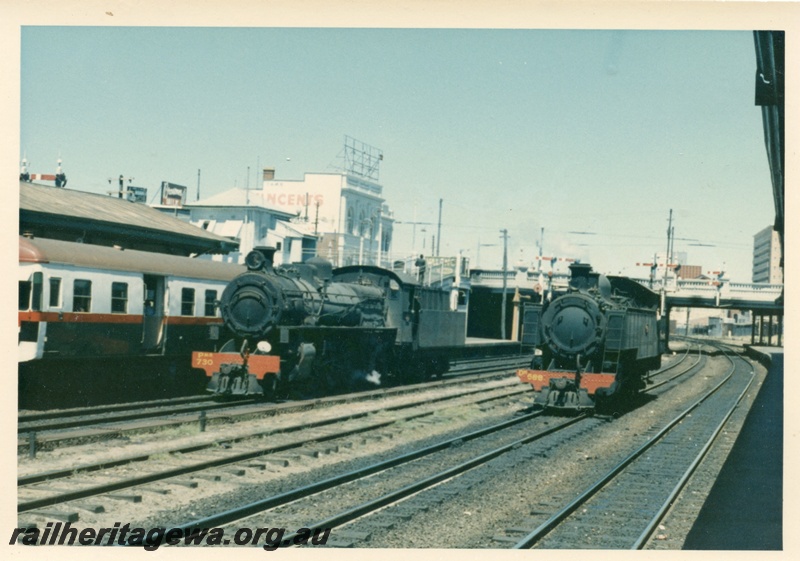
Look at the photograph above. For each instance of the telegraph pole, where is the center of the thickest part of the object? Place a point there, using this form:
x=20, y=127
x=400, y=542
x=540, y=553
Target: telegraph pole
x=541, y=243
x=439, y=230
x=666, y=267
x=504, y=231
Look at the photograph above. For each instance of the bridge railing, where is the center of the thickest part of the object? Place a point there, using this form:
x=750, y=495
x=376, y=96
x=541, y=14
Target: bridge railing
x=712, y=289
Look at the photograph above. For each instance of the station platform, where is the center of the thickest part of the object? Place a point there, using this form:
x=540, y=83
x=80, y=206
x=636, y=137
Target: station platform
x=744, y=510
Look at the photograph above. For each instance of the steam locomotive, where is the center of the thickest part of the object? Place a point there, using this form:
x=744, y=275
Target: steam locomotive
x=594, y=343
x=309, y=329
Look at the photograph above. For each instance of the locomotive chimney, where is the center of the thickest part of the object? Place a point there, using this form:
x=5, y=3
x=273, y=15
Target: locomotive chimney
x=582, y=277
x=260, y=258
x=269, y=256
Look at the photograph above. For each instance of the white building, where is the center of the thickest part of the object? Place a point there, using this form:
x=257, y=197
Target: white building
x=767, y=257
x=340, y=216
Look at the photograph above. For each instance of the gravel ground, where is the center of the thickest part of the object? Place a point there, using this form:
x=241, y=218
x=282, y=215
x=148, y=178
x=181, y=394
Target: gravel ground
x=500, y=499
x=164, y=440
x=183, y=504
x=509, y=498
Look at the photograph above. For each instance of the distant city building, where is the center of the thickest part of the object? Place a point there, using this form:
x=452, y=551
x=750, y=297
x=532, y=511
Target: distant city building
x=690, y=272
x=339, y=216
x=679, y=263
x=767, y=257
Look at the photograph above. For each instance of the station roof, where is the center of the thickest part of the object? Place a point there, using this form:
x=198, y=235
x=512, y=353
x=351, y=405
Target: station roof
x=65, y=214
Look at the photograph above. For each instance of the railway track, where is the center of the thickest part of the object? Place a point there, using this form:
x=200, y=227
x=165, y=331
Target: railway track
x=365, y=492
x=177, y=412
x=676, y=369
x=38, y=490
x=623, y=508
x=364, y=503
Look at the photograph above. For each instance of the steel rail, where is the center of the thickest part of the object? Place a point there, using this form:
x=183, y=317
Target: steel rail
x=659, y=516
x=558, y=517
x=678, y=375
x=233, y=515
x=233, y=458
x=474, y=373
x=111, y=408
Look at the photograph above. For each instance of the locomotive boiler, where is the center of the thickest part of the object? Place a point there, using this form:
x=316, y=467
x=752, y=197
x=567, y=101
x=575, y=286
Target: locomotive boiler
x=594, y=343
x=296, y=326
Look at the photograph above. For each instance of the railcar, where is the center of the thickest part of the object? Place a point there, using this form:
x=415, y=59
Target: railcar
x=594, y=343
x=96, y=323
x=311, y=329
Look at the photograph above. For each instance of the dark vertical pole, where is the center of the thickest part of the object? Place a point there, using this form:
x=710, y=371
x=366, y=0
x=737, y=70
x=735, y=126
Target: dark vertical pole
x=770, y=330
x=505, y=266
x=752, y=327
x=439, y=229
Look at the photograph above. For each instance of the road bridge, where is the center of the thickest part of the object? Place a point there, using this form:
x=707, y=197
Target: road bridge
x=764, y=300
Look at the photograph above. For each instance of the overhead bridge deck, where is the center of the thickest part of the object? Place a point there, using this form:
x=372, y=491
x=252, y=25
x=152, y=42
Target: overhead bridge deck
x=705, y=293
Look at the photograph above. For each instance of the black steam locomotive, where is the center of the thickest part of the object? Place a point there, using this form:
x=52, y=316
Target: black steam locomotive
x=595, y=342
x=310, y=329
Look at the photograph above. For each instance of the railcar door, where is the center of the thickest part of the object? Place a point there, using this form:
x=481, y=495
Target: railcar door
x=153, y=312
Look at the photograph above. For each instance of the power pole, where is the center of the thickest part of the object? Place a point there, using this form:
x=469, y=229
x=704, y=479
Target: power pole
x=541, y=243
x=666, y=268
x=504, y=231
x=198, y=185
x=439, y=230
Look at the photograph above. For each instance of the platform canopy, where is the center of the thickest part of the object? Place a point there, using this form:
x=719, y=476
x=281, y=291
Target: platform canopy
x=69, y=215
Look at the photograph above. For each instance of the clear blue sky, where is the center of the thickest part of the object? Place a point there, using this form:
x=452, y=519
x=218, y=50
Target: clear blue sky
x=574, y=131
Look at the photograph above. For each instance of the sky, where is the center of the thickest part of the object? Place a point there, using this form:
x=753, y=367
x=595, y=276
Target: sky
x=593, y=135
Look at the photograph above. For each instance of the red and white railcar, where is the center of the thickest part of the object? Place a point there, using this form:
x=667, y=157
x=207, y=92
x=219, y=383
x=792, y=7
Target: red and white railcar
x=98, y=320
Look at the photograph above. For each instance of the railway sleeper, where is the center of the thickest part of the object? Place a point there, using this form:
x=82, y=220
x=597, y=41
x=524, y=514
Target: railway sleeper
x=63, y=516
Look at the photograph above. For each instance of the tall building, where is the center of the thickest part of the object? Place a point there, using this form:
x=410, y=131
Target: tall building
x=767, y=257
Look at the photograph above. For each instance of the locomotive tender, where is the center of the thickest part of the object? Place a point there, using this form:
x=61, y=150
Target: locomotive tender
x=595, y=342
x=309, y=328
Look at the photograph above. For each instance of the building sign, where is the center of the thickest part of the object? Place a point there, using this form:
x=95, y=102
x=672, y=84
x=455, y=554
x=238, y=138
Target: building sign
x=316, y=199
x=172, y=194
x=137, y=194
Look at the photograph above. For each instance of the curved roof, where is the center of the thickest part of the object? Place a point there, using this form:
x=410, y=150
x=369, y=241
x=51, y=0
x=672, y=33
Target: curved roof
x=371, y=269
x=43, y=250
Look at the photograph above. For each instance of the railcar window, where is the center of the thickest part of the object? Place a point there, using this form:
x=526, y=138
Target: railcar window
x=38, y=291
x=211, y=297
x=55, y=292
x=82, y=295
x=187, y=301
x=119, y=297
x=24, y=295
